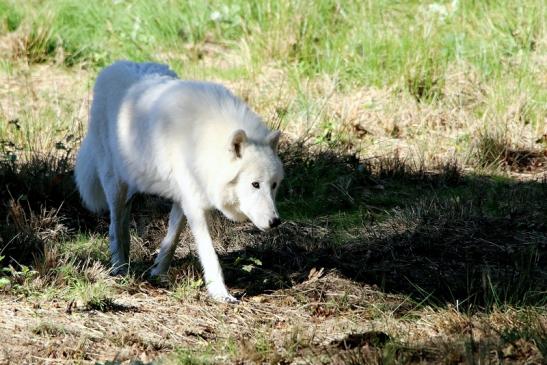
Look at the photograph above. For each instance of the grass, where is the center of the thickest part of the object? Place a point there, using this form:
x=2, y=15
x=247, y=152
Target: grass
x=415, y=154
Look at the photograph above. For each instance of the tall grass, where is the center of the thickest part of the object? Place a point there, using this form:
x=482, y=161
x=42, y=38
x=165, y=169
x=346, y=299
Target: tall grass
x=362, y=41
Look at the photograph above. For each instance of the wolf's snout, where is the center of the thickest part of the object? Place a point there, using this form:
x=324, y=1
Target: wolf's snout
x=275, y=222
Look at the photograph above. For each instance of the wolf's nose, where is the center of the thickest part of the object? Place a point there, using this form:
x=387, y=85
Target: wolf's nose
x=275, y=222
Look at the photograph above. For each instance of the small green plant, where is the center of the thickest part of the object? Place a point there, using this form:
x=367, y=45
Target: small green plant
x=19, y=279
x=92, y=295
x=248, y=264
x=188, y=288
x=5, y=282
x=23, y=275
x=187, y=357
x=264, y=350
x=10, y=18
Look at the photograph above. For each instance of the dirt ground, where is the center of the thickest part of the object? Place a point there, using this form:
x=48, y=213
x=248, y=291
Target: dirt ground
x=324, y=319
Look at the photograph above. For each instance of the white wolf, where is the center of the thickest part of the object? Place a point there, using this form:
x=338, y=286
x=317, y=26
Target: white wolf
x=192, y=142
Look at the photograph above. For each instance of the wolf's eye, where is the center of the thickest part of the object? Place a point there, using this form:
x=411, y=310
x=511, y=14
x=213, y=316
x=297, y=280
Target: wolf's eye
x=274, y=185
x=256, y=185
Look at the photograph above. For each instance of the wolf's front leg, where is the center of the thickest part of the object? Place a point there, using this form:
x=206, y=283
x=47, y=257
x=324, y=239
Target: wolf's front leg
x=212, y=272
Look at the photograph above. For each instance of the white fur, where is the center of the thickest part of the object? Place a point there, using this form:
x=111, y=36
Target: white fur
x=192, y=142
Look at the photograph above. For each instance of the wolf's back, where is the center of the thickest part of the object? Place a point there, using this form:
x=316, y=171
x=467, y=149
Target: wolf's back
x=147, y=68
x=114, y=81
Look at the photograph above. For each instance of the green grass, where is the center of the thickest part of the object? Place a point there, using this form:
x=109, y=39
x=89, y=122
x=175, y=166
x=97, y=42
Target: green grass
x=186, y=357
x=359, y=41
x=82, y=247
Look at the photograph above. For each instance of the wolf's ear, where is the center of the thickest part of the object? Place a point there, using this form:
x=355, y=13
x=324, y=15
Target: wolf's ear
x=273, y=139
x=238, y=140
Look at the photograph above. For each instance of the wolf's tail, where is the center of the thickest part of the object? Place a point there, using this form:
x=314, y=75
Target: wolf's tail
x=87, y=178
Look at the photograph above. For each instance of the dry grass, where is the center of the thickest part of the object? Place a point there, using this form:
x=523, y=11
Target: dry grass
x=323, y=319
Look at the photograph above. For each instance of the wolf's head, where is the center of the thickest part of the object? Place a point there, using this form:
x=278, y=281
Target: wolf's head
x=255, y=186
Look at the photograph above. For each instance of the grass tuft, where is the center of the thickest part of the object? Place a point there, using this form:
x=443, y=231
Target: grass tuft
x=49, y=329
x=491, y=150
x=10, y=17
x=425, y=79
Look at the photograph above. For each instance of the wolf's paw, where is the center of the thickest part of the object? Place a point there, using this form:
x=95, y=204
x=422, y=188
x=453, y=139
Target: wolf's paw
x=220, y=294
x=226, y=299
x=119, y=270
x=157, y=271
x=160, y=281
x=230, y=299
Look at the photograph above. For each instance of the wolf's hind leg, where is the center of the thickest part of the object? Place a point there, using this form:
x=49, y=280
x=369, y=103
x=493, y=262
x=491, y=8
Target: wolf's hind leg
x=125, y=238
x=116, y=195
x=169, y=243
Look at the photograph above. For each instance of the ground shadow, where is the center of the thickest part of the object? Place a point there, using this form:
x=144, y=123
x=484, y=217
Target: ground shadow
x=434, y=234
x=439, y=236
x=475, y=261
